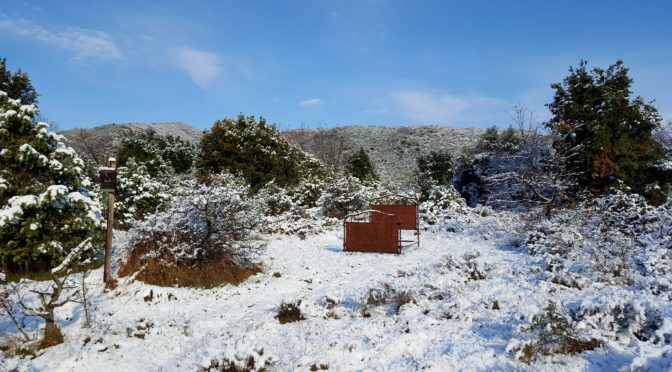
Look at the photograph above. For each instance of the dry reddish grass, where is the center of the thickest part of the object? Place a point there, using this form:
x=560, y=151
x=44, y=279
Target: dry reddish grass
x=162, y=272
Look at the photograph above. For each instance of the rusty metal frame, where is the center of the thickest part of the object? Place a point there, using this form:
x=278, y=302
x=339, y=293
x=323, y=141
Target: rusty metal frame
x=403, y=206
x=372, y=231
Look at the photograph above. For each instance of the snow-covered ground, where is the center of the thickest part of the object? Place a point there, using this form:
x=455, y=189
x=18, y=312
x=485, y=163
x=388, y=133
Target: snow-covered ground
x=463, y=296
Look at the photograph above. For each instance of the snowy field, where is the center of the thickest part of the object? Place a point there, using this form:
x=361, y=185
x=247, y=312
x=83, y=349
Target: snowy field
x=454, y=302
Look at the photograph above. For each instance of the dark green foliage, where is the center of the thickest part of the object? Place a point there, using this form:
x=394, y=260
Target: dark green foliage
x=46, y=206
x=492, y=141
x=359, y=165
x=17, y=85
x=157, y=152
x=435, y=168
x=611, y=133
x=255, y=150
x=437, y=165
x=469, y=178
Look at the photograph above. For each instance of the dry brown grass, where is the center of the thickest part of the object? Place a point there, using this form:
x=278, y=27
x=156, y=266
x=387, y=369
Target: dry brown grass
x=289, y=312
x=162, y=271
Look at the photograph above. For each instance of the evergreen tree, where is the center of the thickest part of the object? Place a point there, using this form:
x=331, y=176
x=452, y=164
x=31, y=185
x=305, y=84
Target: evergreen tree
x=254, y=149
x=359, y=165
x=494, y=142
x=138, y=194
x=46, y=208
x=611, y=134
x=438, y=165
x=159, y=155
x=16, y=85
x=435, y=168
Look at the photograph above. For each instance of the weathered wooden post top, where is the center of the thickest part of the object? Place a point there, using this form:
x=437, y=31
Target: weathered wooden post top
x=108, y=177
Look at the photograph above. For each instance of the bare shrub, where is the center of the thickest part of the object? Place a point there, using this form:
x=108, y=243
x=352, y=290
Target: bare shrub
x=554, y=333
x=255, y=362
x=385, y=296
x=203, y=239
x=289, y=312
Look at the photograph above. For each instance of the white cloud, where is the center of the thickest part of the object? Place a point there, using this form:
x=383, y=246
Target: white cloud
x=203, y=67
x=434, y=108
x=310, y=102
x=84, y=43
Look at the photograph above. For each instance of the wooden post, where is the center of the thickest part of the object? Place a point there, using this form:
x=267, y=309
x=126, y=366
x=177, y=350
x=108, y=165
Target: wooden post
x=108, y=240
x=107, y=273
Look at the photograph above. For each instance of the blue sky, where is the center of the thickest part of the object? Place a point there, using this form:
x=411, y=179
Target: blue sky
x=324, y=63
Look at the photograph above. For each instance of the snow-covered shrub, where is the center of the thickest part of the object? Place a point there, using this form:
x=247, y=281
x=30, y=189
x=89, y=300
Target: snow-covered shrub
x=308, y=191
x=207, y=230
x=559, y=236
x=158, y=154
x=386, y=297
x=233, y=361
x=276, y=199
x=138, y=194
x=344, y=195
x=619, y=237
x=443, y=202
x=468, y=267
x=292, y=211
x=301, y=223
x=46, y=206
x=553, y=332
x=620, y=315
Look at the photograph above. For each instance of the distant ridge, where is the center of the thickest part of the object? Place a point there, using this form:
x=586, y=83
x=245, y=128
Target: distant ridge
x=393, y=149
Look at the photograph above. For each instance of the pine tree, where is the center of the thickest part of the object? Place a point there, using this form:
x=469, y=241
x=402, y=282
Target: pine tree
x=46, y=208
x=359, y=165
x=16, y=85
x=254, y=149
x=594, y=114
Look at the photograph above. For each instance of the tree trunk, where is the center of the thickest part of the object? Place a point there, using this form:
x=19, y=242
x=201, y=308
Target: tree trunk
x=52, y=334
x=549, y=208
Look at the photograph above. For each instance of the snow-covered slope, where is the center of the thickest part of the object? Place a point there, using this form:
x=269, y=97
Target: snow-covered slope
x=454, y=302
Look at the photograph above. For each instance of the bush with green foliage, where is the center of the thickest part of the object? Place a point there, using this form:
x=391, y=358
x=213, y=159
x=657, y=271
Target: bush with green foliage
x=358, y=164
x=159, y=155
x=594, y=113
x=138, y=193
x=470, y=178
x=46, y=206
x=293, y=210
x=442, y=203
x=344, y=195
x=435, y=168
x=438, y=165
x=496, y=142
x=255, y=150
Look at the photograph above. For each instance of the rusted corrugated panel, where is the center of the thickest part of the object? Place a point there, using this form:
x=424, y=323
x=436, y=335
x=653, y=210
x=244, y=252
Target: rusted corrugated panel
x=408, y=214
x=372, y=237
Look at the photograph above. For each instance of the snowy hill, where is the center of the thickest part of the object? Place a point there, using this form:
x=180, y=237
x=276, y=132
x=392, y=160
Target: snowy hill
x=393, y=150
